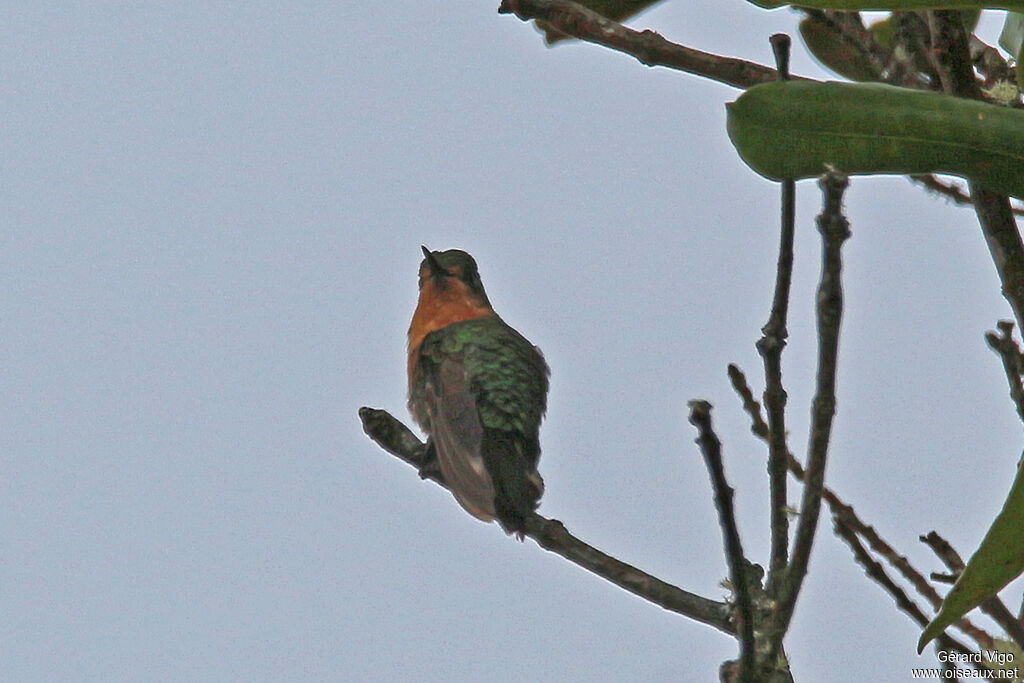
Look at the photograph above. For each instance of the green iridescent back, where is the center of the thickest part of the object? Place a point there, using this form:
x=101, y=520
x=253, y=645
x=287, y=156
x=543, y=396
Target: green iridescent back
x=508, y=378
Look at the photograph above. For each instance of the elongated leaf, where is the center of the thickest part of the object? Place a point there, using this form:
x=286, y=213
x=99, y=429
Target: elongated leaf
x=834, y=51
x=896, y=5
x=998, y=561
x=1011, y=39
x=1012, y=36
x=793, y=129
x=887, y=32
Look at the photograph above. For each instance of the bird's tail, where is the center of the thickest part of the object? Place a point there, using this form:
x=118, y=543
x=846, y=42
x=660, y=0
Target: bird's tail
x=517, y=484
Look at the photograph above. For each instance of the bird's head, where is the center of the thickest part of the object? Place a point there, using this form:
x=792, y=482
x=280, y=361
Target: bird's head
x=452, y=275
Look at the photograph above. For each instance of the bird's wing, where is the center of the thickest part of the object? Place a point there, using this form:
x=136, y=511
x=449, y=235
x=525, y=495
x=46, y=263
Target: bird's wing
x=458, y=436
x=485, y=390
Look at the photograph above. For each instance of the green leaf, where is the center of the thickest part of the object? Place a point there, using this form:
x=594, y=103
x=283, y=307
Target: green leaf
x=834, y=51
x=897, y=5
x=1012, y=36
x=998, y=561
x=1011, y=39
x=794, y=129
x=887, y=32
x=970, y=19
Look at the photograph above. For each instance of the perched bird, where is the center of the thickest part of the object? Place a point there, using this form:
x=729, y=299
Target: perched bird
x=479, y=390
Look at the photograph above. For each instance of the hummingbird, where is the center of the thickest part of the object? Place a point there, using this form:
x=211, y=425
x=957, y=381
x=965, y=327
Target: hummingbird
x=479, y=390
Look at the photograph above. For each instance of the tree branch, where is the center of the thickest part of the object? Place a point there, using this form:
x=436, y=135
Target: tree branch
x=770, y=347
x=739, y=383
x=1004, y=344
x=1004, y=243
x=953, y=192
x=951, y=54
x=989, y=61
x=951, y=48
x=834, y=230
x=550, y=534
x=877, y=573
x=844, y=515
x=711, y=449
x=993, y=607
x=889, y=65
x=648, y=47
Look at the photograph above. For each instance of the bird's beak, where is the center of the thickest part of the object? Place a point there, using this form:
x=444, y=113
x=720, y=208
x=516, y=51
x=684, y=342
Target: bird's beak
x=435, y=267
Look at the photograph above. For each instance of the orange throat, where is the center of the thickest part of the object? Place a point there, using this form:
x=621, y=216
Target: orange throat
x=440, y=307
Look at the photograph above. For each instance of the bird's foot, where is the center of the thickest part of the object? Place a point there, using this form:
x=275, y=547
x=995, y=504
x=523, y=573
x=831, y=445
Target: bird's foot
x=429, y=467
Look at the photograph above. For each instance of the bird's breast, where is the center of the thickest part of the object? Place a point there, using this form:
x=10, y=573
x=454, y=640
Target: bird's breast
x=436, y=310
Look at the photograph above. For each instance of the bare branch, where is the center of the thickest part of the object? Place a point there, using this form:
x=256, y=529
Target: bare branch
x=834, y=230
x=781, y=44
x=953, y=192
x=770, y=347
x=711, y=449
x=1013, y=362
x=993, y=607
x=739, y=382
x=989, y=61
x=877, y=573
x=647, y=46
x=951, y=54
x=898, y=68
x=1004, y=243
x=891, y=66
x=846, y=516
x=951, y=48
x=394, y=437
x=550, y=534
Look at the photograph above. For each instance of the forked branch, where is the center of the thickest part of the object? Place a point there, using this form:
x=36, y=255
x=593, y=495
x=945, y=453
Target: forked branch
x=398, y=440
x=648, y=47
x=834, y=231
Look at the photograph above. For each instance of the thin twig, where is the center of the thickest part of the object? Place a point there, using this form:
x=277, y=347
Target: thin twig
x=914, y=40
x=834, y=230
x=989, y=61
x=781, y=44
x=878, y=545
x=1004, y=243
x=887, y=64
x=994, y=606
x=877, y=573
x=944, y=550
x=711, y=449
x=835, y=503
x=770, y=347
x=951, y=54
x=953, y=191
x=550, y=534
x=844, y=514
x=901, y=70
x=1013, y=362
x=951, y=47
x=739, y=382
x=647, y=46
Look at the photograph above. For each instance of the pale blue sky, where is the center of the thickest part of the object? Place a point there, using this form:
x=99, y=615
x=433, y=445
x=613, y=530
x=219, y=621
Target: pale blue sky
x=211, y=218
